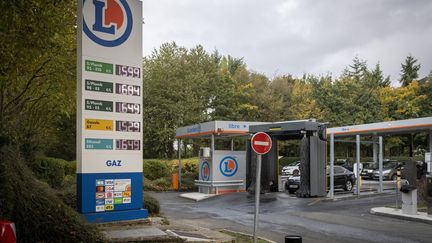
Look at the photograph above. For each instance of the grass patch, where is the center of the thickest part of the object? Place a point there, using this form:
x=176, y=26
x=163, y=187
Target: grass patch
x=242, y=237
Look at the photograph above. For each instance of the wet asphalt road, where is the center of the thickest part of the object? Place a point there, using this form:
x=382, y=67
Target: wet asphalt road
x=282, y=214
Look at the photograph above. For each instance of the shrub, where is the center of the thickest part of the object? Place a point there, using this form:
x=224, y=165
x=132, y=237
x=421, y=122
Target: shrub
x=164, y=182
x=151, y=204
x=50, y=170
x=154, y=169
x=190, y=166
x=68, y=193
x=188, y=181
x=39, y=215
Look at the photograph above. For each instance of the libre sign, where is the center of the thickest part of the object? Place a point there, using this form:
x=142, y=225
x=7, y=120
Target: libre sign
x=109, y=108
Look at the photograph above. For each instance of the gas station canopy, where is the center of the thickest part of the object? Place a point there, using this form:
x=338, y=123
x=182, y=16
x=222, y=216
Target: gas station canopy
x=219, y=128
x=383, y=128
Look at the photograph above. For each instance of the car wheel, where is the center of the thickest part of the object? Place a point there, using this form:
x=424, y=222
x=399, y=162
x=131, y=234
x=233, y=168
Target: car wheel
x=348, y=186
x=394, y=177
x=296, y=172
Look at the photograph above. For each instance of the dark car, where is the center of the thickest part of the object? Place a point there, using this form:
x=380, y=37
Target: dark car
x=368, y=169
x=343, y=178
x=389, y=170
x=346, y=163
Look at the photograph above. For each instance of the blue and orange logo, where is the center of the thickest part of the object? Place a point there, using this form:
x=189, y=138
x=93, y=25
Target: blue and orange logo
x=205, y=171
x=107, y=22
x=228, y=166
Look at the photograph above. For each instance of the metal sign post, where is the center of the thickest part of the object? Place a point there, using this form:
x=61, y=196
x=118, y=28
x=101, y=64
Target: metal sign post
x=257, y=196
x=261, y=143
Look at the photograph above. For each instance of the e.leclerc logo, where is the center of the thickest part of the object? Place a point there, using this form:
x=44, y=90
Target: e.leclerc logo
x=228, y=166
x=205, y=171
x=107, y=22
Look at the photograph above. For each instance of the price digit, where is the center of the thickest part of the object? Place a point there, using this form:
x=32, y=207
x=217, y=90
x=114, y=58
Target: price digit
x=137, y=144
x=136, y=125
x=137, y=90
x=137, y=72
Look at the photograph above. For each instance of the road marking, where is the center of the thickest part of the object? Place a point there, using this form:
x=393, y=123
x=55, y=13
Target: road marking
x=262, y=143
x=314, y=202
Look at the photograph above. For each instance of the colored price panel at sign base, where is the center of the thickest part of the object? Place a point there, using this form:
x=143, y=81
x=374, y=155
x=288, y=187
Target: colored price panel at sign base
x=97, y=124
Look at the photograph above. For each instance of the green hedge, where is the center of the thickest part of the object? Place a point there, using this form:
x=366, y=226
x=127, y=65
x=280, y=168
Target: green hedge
x=158, y=172
x=39, y=215
x=151, y=204
x=155, y=169
x=53, y=170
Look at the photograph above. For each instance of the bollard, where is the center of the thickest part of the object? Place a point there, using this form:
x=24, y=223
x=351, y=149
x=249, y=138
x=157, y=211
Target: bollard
x=360, y=182
x=398, y=180
x=174, y=182
x=398, y=185
x=293, y=239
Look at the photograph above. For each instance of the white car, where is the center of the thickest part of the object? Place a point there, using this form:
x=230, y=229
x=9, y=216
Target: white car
x=292, y=169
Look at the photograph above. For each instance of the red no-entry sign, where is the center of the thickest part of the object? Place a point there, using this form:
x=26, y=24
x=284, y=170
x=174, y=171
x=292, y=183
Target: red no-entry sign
x=261, y=143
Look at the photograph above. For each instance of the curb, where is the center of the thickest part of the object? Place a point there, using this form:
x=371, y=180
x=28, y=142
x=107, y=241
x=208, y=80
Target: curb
x=373, y=212
x=355, y=197
x=249, y=235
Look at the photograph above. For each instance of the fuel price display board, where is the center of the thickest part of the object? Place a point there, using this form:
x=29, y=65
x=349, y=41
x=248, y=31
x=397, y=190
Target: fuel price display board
x=109, y=108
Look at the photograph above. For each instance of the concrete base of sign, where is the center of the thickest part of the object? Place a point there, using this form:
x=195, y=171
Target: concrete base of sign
x=116, y=216
x=196, y=196
x=148, y=234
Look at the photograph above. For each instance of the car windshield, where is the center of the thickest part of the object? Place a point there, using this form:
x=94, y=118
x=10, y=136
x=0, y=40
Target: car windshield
x=389, y=165
x=293, y=163
x=369, y=165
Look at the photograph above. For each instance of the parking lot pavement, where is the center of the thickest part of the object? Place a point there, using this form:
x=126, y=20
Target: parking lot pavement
x=281, y=214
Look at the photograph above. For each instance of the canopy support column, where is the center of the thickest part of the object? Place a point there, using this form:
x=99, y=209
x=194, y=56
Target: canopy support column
x=380, y=164
x=358, y=164
x=212, y=149
x=180, y=164
x=331, y=191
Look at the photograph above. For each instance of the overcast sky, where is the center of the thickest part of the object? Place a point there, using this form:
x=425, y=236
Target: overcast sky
x=277, y=37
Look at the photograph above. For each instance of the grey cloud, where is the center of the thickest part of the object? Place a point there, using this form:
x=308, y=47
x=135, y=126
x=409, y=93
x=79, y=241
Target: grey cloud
x=297, y=36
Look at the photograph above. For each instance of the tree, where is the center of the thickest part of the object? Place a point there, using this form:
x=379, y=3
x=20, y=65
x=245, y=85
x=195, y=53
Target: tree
x=356, y=70
x=403, y=102
x=375, y=77
x=37, y=68
x=176, y=93
x=346, y=101
x=409, y=71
